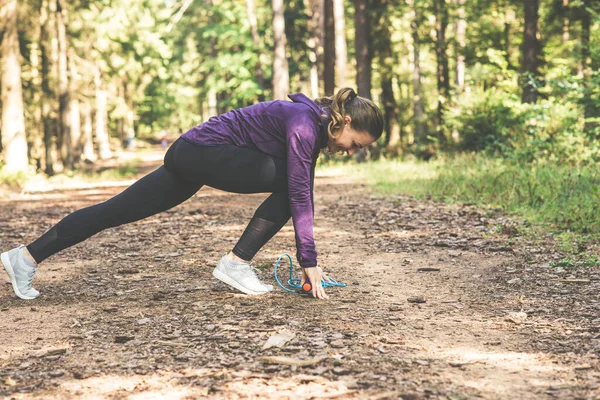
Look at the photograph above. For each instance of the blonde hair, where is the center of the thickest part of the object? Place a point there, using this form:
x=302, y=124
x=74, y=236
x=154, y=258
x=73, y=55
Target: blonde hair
x=366, y=116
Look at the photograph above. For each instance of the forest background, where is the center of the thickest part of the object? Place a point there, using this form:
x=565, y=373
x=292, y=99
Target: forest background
x=488, y=102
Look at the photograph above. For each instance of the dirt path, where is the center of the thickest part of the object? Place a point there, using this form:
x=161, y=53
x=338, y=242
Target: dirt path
x=443, y=302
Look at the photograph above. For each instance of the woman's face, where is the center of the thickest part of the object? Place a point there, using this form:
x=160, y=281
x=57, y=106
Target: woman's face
x=349, y=140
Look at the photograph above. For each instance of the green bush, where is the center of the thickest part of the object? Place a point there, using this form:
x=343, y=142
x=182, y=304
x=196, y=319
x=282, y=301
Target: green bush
x=549, y=131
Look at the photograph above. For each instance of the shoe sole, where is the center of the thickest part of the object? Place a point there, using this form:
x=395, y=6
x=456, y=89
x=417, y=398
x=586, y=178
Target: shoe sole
x=233, y=283
x=11, y=274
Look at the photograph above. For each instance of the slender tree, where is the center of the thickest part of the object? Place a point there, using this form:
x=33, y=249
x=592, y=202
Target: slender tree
x=49, y=55
x=256, y=40
x=461, y=29
x=281, y=75
x=362, y=40
x=585, y=18
x=14, y=143
x=74, y=110
x=341, y=53
x=314, y=44
x=35, y=136
x=87, y=138
x=387, y=61
x=64, y=142
x=104, y=150
x=565, y=25
x=328, y=47
x=419, y=117
x=443, y=78
x=590, y=107
x=530, y=51
x=509, y=21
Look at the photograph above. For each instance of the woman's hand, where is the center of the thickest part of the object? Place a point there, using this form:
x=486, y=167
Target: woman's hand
x=314, y=275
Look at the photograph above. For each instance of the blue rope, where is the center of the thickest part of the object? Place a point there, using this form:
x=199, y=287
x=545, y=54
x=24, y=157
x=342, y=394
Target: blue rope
x=295, y=282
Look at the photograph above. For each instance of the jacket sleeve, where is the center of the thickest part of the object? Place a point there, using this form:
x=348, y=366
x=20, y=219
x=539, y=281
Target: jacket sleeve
x=301, y=146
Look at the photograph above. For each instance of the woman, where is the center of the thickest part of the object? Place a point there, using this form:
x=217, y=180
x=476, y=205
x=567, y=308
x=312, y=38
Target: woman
x=268, y=147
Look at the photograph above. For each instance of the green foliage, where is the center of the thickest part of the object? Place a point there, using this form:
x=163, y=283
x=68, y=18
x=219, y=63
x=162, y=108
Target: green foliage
x=124, y=171
x=569, y=262
x=550, y=131
x=12, y=179
x=562, y=197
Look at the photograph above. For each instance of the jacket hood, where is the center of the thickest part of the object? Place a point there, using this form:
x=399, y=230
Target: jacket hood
x=322, y=114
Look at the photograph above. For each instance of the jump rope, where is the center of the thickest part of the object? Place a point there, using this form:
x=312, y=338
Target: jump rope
x=295, y=283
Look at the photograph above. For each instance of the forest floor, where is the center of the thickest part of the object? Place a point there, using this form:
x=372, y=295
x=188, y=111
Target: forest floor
x=442, y=302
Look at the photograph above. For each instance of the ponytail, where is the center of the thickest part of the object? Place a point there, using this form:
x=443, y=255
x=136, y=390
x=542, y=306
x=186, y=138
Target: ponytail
x=365, y=115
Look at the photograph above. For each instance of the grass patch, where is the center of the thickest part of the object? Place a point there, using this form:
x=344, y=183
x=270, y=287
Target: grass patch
x=557, y=197
x=13, y=179
x=569, y=262
x=125, y=171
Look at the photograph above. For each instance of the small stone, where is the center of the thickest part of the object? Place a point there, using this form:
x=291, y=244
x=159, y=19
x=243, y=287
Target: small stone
x=337, y=343
x=123, y=338
x=143, y=321
x=56, y=373
x=516, y=317
x=416, y=299
x=9, y=381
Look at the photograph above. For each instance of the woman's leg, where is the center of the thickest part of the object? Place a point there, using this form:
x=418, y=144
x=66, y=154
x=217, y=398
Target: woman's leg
x=242, y=170
x=268, y=219
x=154, y=193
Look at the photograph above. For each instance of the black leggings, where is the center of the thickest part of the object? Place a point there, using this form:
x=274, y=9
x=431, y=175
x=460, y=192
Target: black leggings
x=186, y=169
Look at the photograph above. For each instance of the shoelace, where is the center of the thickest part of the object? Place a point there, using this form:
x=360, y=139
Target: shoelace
x=295, y=282
x=251, y=267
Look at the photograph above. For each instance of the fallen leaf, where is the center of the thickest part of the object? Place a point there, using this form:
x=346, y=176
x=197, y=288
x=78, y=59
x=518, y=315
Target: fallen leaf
x=516, y=317
x=279, y=339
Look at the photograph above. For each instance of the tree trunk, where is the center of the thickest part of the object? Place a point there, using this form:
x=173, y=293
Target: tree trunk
x=590, y=108
x=48, y=52
x=35, y=138
x=531, y=49
x=281, y=75
x=328, y=47
x=565, y=30
x=509, y=21
x=87, y=139
x=443, y=79
x=64, y=142
x=104, y=151
x=314, y=45
x=129, y=120
x=362, y=45
x=14, y=143
x=586, y=60
x=420, y=131
x=341, y=52
x=461, y=30
x=387, y=62
x=256, y=40
x=74, y=110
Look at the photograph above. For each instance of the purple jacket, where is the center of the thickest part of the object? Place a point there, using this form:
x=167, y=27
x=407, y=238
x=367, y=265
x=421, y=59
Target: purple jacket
x=295, y=131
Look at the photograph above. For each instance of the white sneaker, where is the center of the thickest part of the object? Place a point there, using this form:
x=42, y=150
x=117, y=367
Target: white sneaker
x=21, y=271
x=240, y=275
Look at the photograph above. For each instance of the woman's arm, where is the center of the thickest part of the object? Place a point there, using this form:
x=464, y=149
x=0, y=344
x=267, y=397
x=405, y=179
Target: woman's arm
x=301, y=142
